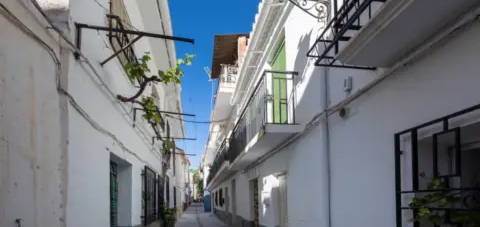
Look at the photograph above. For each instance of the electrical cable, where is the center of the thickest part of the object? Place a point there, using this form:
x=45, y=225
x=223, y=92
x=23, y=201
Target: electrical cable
x=457, y=27
x=196, y=122
x=73, y=47
x=26, y=30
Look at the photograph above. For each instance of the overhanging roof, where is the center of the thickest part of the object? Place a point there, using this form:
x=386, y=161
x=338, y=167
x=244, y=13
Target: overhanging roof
x=225, y=51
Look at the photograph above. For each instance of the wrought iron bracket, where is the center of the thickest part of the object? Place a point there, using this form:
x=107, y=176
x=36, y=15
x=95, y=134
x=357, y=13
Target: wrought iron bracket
x=322, y=8
x=79, y=27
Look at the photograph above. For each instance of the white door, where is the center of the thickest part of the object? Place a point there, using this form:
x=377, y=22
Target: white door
x=282, y=201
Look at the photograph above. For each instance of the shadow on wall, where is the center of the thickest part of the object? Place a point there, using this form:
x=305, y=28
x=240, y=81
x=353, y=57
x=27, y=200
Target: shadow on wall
x=309, y=83
x=301, y=60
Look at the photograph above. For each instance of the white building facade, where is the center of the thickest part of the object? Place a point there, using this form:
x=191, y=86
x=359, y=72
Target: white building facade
x=384, y=106
x=72, y=154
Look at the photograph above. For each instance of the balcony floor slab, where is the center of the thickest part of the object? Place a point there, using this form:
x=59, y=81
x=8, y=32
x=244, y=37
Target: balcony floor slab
x=400, y=27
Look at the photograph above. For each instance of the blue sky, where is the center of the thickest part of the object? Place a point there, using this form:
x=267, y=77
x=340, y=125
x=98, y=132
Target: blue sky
x=201, y=20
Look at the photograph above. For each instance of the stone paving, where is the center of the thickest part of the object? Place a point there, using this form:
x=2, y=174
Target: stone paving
x=194, y=216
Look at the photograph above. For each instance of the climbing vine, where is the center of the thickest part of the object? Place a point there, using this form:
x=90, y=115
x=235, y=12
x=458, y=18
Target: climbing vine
x=140, y=72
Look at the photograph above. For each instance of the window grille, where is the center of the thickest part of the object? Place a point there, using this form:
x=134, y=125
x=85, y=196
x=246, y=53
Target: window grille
x=161, y=197
x=150, y=212
x=113, y=194
x=119, y=19
x=439, y=158
x=174, y=197
x=167, y=190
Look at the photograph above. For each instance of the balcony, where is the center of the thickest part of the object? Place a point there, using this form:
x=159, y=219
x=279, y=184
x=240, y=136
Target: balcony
x=225, y=88
x=350, y=16
x=366, y=34
x=401, y=27
x=266, y=121
x=228, y=78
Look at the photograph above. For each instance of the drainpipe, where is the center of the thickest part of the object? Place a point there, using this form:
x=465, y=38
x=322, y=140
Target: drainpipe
x=326, y=133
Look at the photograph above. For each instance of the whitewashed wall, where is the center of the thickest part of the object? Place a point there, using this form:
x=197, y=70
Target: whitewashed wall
x=55, y=155
x=443, y=81
x=32, y=119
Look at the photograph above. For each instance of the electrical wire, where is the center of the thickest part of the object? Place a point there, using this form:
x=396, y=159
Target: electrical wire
x=196, y=122
x=26, y=30
x=99, y=78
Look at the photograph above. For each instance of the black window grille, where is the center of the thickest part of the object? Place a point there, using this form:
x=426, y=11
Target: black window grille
x=119, y=19
x=220, y=198
x=167, y=189
x=255, y=203
x=150, y=212
x=161, y=198
x=174, y=197
x=113, y=194
x=438, y=172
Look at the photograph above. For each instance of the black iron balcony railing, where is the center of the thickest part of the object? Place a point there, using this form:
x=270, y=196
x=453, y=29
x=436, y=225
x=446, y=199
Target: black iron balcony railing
x=272, y=102
x=349, y=16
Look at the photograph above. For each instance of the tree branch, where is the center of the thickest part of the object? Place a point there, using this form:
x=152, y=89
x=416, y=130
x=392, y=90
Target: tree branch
x=143, y=86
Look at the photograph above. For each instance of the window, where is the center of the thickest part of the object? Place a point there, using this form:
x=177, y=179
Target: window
x=221, y=198
x=113, y=194
x=174, y=197
x=167, y=193
x=161, y=196
x=279, y=99
x=255, y=199
x=119, y=19
x=438, y=175
x=150, y=213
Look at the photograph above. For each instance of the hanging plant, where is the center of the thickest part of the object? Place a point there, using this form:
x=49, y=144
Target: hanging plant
x=440, y=197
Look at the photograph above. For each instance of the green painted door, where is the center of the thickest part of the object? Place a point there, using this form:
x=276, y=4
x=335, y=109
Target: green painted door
x=279, y=89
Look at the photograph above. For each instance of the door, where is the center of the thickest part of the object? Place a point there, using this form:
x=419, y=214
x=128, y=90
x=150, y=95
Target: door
x=279, y=87
x=227, y=200
x=255, y=203
x=234, y=203
x=113, y=194
x=160, y=197
x=282, y=201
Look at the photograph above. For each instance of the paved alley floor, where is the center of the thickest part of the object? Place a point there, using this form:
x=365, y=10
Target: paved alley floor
x=195, y=217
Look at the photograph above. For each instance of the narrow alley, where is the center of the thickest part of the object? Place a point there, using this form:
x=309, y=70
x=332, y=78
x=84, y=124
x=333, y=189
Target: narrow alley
x=260, y=113
x=196, y=217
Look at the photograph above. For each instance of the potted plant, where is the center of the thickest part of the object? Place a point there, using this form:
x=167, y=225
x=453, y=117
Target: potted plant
x=170, y=217
x=431, y=206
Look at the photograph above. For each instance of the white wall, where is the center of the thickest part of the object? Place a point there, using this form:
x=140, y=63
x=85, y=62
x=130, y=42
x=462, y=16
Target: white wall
x=443, y=81
x=32, y=136
x=54, y=154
